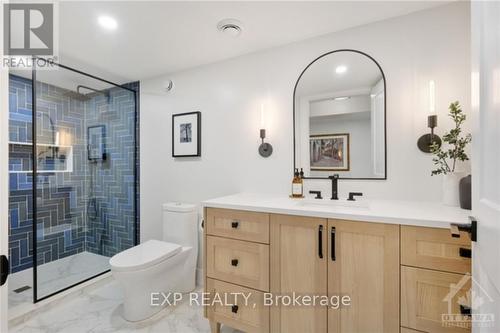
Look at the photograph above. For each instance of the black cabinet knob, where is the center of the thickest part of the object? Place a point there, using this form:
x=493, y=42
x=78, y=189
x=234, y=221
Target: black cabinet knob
x=234, y=262
x=235, y=224
x=465, y=253
x=465, y=310
x=234, y=309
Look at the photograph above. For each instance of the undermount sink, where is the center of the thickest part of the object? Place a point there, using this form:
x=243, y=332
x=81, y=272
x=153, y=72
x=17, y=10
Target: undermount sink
x=333, y=203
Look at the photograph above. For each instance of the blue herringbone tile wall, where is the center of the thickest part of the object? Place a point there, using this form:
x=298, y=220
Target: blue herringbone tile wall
x=112, y=230
x=63, y=226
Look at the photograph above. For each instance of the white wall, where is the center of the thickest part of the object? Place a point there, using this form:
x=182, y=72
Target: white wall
x=413, y=49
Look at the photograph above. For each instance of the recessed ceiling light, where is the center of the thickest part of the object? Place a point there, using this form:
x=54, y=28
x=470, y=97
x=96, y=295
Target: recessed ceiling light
x=230, y=27
x=108, y=22
x=341, y=69
x=342, y=98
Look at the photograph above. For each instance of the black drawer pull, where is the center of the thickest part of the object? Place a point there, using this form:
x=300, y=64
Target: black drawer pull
x=333, y=243
x=470, y=227
x=320, y=241
x=235, y=224
x=234, y=262
x=465, y=310
x=234, y=309
x=465, y=253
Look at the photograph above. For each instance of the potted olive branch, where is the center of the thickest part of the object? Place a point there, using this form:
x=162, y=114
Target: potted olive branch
x=446, y=159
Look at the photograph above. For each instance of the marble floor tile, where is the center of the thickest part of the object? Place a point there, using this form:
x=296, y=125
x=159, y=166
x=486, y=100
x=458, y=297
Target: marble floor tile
x=98, y=311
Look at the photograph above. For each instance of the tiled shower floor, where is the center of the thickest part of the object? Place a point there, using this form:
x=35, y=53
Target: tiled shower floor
x=55, y=276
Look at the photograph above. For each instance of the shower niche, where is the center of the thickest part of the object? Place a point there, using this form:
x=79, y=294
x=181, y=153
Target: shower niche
x=50, y=159
x=73, y=179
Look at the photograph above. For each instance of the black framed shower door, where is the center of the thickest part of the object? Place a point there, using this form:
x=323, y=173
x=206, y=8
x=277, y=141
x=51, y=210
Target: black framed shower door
x=84, y=176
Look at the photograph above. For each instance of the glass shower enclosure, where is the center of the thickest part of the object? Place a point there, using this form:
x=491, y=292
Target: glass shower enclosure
x=84, y=148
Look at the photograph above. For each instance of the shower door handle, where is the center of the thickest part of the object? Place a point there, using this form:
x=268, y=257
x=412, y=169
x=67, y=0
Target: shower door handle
x=4, y=269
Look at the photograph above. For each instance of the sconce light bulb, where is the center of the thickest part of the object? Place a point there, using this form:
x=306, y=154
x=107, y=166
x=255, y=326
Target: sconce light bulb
x=262, y=116
x=432, y=97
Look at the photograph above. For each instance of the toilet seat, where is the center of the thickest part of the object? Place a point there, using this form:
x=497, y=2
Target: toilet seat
x=144, y=255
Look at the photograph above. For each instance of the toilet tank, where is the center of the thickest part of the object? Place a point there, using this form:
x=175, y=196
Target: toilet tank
x=180, y=224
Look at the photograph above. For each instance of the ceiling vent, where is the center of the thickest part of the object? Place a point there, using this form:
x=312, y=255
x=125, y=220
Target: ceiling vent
x=230, y=27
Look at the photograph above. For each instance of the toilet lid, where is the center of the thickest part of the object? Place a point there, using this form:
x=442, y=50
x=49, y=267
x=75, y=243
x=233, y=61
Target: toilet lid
x=144, y=255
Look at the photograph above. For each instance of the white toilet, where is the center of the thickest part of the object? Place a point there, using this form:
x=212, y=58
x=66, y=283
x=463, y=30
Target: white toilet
x=159, y=266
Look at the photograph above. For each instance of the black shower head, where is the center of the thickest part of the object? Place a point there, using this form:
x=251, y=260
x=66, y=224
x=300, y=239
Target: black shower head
x=79, y=95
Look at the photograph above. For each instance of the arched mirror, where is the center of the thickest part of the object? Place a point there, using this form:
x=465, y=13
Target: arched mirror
x=339, y=117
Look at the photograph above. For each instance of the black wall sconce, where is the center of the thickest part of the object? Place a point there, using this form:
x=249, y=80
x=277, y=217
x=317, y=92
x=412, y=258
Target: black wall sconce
x=265, y=149
x=425, y=141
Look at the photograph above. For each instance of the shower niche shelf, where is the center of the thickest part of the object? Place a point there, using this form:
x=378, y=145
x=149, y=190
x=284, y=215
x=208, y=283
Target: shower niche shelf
x=51, y=158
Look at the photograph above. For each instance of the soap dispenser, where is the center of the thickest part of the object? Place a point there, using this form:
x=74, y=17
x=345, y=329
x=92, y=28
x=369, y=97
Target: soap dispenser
x=297, y=185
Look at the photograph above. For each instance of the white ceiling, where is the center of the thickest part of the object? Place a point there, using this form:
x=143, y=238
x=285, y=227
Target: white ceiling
x=155, y=38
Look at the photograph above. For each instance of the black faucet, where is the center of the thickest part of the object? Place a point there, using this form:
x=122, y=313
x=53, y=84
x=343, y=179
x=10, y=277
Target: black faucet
x=354, y=194
x=335, y=186
x=318, y=194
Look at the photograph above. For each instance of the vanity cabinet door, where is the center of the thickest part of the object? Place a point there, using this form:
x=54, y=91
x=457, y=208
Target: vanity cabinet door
x=363, y=263
x=298, y=264
x=430, y=300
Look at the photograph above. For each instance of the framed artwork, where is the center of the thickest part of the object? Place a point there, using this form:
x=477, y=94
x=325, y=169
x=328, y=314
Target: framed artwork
x=96, y=143
x=329, y=152
x=186, y=134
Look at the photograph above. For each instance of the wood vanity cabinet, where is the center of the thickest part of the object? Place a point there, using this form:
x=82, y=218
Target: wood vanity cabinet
x=435, y=278
x=364, y=263
x=355, y=259
x=396, y=276
x=298, y=264
x=236, y=259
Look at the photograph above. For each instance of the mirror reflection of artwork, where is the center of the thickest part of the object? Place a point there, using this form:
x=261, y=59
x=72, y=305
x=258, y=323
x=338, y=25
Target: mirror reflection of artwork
x=186, y=135
x=329, y=152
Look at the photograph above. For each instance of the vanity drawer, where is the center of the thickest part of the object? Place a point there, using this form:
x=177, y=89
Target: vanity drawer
x=249, y=226
x=245, y=316
x=424, y=295
x=435, y=249
x=240, y=262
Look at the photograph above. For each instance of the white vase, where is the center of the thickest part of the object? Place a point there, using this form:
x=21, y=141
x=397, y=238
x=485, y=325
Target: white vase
x=451, y=185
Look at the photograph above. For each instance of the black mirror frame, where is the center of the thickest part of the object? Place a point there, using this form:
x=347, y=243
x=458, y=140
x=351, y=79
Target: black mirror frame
x=385, y=115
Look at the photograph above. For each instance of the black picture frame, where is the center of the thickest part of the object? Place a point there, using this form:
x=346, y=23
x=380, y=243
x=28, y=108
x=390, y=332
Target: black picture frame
x=100, y=155
x=198, y=134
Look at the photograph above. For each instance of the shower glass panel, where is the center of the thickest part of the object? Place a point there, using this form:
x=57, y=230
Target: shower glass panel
x=85, y=177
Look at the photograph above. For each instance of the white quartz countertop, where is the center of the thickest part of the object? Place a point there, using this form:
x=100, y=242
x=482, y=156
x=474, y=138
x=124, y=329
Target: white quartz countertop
x=425, y=214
